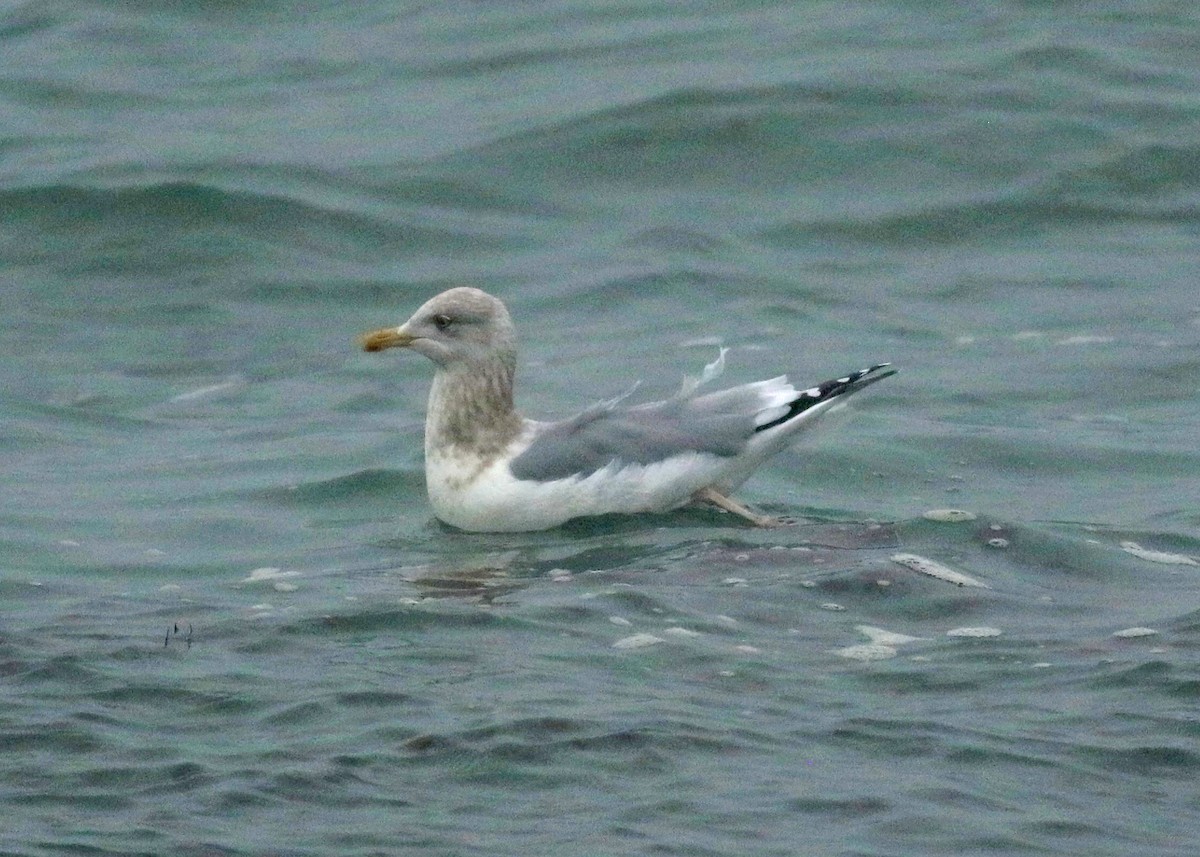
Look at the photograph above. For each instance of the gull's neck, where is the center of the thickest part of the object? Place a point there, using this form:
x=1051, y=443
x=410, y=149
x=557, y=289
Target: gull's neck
x=471, y=409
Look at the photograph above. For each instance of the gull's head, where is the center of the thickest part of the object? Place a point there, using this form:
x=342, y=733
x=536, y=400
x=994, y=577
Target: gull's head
x=459, y=325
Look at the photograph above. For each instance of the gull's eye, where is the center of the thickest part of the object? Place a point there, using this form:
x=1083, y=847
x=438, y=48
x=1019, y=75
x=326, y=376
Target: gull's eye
x=441, y=322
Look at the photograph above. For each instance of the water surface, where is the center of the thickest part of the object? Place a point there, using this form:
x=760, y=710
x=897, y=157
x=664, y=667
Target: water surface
x=228, y=621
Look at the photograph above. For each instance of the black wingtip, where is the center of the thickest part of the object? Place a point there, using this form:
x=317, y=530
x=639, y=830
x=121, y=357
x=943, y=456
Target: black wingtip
x=868, y=376
x=827, y=390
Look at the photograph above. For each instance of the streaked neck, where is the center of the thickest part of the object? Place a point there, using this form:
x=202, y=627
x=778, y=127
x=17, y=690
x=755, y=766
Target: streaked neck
x=471, y=409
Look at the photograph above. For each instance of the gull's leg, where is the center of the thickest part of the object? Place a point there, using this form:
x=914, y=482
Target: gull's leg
x=708, y=495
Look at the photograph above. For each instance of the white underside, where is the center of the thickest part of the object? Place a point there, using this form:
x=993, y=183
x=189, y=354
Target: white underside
x=493, y=500
x=472, y=496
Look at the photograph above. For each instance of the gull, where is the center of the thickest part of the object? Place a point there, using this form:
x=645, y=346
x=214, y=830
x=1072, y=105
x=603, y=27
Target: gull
x=488, y=469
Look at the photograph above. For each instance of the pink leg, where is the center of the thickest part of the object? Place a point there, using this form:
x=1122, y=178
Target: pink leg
x=708, y=495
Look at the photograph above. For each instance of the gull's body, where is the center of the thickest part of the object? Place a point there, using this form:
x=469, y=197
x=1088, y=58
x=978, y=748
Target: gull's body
x=488, y=469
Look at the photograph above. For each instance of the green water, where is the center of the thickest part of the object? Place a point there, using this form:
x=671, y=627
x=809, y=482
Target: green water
x=228, y=622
